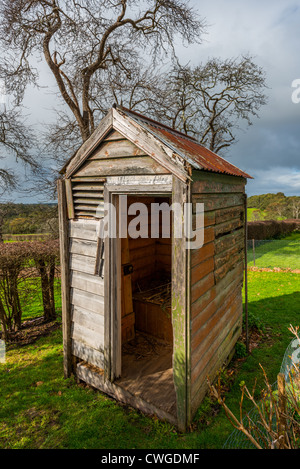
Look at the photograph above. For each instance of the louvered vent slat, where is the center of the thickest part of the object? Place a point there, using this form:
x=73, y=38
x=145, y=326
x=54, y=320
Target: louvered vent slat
x=88, y=197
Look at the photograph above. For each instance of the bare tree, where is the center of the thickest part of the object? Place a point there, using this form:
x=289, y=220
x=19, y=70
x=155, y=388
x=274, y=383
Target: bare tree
x=16, y=140
x=295, y=206
x=210, y=100
x=81, y=41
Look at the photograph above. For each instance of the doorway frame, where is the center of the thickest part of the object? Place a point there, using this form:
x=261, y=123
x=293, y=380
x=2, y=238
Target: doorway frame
x=179, y=192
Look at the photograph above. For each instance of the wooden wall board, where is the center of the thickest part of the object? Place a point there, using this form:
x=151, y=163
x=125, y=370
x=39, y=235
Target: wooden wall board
x=120, y=166
x=116, y=149
x=65, y=281
x=200, y=389
x=88, y=354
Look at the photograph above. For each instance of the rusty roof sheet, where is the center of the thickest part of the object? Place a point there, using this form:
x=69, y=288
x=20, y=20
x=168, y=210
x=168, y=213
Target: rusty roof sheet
x=187, y=147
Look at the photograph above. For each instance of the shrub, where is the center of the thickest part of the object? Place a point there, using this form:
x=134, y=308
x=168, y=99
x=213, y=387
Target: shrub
x=13, y=259
x=20, y=262
x=45, y=255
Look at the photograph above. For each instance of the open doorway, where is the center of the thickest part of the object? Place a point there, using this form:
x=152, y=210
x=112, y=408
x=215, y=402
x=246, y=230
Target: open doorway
x=146, y=318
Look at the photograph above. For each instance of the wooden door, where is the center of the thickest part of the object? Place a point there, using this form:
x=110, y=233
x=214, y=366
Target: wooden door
x=127, y=313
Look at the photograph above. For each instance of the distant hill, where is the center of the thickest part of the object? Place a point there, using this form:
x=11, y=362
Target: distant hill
x=273, y=207
x=27, y=218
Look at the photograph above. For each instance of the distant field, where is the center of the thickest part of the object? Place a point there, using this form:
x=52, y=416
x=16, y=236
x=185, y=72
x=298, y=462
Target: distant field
x=281, y=253
x=11, y=238
x=250, y=214
x=262, y=213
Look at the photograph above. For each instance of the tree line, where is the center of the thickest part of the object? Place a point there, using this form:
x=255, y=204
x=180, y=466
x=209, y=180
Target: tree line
x=28, y=219
x=274, y=206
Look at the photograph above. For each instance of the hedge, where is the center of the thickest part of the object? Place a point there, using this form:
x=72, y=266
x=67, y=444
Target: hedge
x=268, y=229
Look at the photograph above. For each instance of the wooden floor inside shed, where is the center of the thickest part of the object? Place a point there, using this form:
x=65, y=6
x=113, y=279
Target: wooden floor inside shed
x=147, y=372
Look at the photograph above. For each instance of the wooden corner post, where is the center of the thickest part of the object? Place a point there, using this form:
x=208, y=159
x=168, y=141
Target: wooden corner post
x=65, y=281
x=181, y=308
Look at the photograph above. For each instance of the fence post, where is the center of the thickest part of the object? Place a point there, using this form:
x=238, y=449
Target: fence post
x=253, y=249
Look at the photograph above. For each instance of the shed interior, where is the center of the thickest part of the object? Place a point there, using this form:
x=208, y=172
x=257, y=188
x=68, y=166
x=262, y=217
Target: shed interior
x=147, y=335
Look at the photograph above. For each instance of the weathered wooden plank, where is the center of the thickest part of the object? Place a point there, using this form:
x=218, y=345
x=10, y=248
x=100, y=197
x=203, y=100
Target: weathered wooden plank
x=82, y=263
x=87, y=300
x=98, y=195
x=201, y=317
x=210, y=185
x=228, y=226
x=65, y=281
x=164, y=249
x=212, y=325
x=200, y=271
x=217, y=360
x=234, y=260
x=69, y=197
x=201, y=301
x=94, y=206
x=226, y=241
x=83, y=247
x=97, y=201
x=89, y=215
x=142, y=253
x=218, y=352
x=163, y=262
x=94, y=180
x=141, y=263
x=116, y=149
x=88, y=319
x=215, y=178
x=89, y=145
x=203, y=236
x=225, y=256
x=87, y=229
x=98, y=381
x=92, y=187
x=210, y=342
x=150, y=181
x=99, y=261
x=91, y=338
x=203, y=253
x=209, y=219
x=146, y=141
x=199, y=287
x=181, y=311
x=114, y=135
x=88, y=354
x=230, y=213
x=121, y=166
x=87, y=282
x=217, y=201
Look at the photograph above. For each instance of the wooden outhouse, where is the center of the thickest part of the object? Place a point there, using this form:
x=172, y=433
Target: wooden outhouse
x=146, y=319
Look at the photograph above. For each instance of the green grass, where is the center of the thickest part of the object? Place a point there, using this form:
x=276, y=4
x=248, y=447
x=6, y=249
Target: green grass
x=250, y=216
x=41, y=409
x=281, y=253
x=263, y=215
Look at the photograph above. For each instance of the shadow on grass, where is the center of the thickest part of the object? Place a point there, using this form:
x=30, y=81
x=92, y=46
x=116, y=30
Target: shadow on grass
x=282, y=248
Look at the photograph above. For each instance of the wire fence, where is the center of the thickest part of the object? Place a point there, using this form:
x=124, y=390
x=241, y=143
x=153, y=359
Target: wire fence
x=280, y=254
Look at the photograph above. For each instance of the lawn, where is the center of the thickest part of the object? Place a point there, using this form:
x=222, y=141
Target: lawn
x=280, y=253
x=41, y=409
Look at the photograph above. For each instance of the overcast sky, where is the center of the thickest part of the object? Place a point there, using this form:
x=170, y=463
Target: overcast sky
x=269, y=31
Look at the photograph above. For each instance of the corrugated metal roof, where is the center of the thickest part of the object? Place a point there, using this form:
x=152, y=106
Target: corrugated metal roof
x=186, y=147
